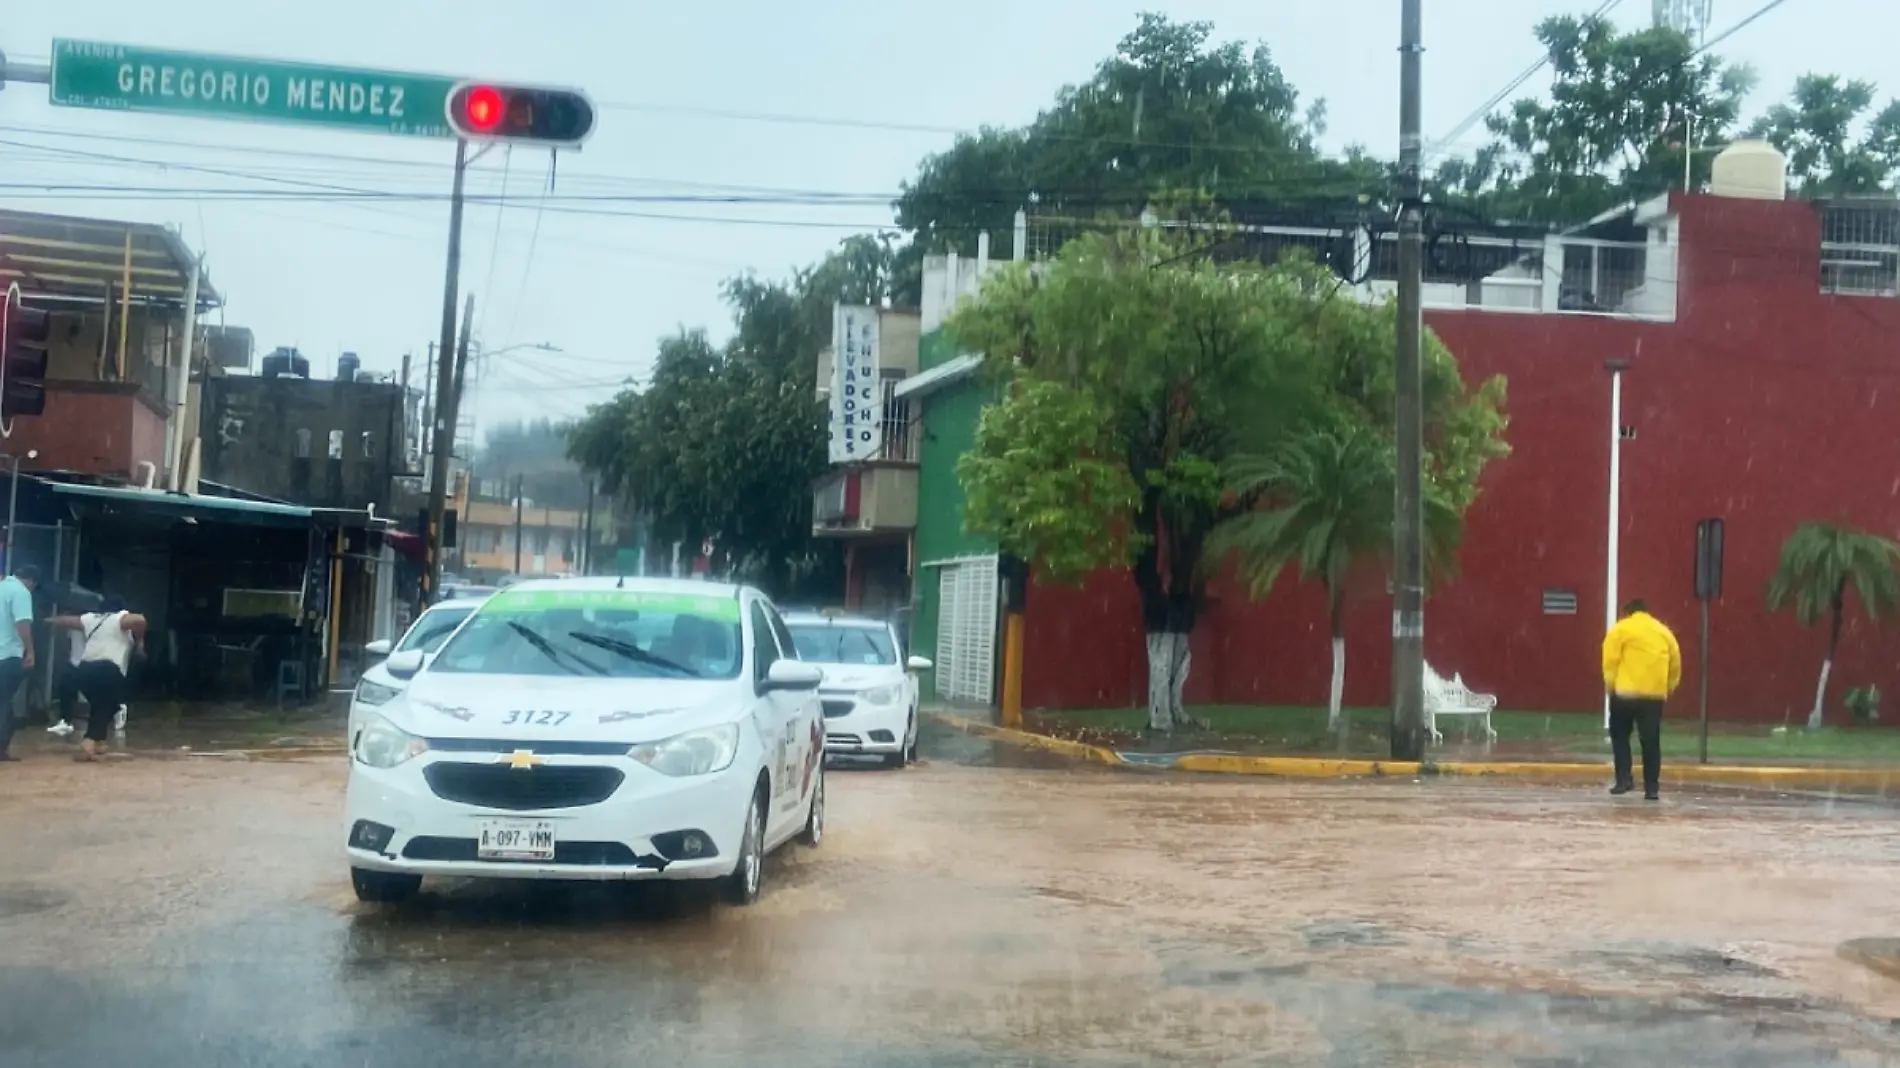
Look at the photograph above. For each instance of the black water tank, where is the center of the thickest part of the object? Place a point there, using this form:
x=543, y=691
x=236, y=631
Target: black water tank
x=346, y=366
x=276, y=364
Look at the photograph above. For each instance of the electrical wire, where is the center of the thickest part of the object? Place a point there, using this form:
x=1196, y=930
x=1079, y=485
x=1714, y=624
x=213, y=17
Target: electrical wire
x=1482, y=111
x=527, y=263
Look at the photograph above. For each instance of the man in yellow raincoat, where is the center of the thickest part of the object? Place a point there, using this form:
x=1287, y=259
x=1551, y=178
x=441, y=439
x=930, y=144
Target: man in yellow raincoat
x=1642, y=666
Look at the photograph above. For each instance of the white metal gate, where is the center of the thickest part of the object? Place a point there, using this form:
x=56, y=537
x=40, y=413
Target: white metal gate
x=966, y=629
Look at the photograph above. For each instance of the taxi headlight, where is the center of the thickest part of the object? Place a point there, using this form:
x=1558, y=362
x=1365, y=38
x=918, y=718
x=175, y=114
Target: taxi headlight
x=700, y=752
x=382, y=744
x=878, y=695
x=374, y=693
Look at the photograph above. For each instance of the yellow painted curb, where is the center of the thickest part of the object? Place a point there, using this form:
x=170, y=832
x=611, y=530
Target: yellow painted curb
x=1757, y=776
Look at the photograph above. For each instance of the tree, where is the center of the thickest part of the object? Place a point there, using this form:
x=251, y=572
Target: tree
x=724, y=442
x=1133, y=371
x=1622, y=109
x=1819, y=562
x=1169, y=111
x=1815, y=128
x=1322, y=503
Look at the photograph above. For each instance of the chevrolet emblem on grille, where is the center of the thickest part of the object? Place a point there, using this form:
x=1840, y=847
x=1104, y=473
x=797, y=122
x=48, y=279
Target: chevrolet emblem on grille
x=523, y=760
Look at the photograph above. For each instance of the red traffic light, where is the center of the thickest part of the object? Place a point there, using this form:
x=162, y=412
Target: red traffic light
x=483, y=108
x=529, y=114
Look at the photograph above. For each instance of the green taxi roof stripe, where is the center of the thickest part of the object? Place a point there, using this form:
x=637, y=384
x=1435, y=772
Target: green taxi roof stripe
x=710, y=606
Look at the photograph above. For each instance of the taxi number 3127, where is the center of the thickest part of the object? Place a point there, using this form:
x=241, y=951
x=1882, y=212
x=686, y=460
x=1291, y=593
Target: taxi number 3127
x=534, y=719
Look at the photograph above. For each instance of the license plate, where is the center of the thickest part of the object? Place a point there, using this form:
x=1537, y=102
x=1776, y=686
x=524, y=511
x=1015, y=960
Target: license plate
x=516, y=840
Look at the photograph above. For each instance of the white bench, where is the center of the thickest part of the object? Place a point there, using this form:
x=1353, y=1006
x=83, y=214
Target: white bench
x=1451, y=697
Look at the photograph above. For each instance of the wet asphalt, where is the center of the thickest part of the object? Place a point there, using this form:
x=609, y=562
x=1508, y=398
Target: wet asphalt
x=989, y=907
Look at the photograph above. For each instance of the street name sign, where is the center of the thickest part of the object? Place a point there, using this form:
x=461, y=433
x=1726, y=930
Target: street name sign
x=117, y=77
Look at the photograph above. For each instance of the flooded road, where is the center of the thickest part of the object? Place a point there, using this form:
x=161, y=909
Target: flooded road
x=982, y=909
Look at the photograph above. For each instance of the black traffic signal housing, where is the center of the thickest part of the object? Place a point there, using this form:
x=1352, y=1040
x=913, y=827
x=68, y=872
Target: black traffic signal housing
x=23, y=339
x=525, y=114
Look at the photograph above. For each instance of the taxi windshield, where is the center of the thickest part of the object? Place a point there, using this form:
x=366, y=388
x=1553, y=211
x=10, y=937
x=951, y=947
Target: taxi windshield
x=623, y=634
x=826, y=643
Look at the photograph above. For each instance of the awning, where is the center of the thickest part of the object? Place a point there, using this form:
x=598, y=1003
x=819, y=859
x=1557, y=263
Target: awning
x=67, y=258
x=128, y=499
x=944, y=374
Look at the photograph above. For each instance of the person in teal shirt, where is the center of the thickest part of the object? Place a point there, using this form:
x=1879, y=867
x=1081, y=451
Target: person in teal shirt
x=16, y=644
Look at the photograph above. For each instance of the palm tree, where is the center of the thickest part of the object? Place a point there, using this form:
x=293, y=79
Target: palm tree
x=1819, y=561
x=1322, y=502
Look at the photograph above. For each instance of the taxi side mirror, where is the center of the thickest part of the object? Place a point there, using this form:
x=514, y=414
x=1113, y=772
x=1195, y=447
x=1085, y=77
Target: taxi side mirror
x=379, y=647
x=793, y=675
x=405, y=664
x=918, y=663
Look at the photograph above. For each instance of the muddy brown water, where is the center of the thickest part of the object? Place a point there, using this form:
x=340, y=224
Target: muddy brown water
x=967, y=911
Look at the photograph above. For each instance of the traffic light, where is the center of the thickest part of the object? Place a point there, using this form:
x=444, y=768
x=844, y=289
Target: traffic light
x=528, y=114
x=23, y=334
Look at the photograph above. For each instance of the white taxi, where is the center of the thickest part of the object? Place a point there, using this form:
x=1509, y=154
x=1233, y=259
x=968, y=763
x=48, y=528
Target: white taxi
x=870, y=698
x=597, y=729
x=425, y=635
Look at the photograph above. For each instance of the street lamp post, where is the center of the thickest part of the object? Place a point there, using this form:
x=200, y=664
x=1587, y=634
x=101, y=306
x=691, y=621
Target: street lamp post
x=1614, y=534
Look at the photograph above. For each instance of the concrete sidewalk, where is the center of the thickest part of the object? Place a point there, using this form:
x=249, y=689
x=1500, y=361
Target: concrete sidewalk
x=218, y=733
x=1883, y=780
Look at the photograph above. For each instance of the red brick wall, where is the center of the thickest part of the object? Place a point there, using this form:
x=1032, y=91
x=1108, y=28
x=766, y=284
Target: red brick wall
x=99, y=430
x=1766, y=403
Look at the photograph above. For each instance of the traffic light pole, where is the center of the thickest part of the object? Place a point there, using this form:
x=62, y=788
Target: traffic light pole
x=1408, y=516
x=443, y=432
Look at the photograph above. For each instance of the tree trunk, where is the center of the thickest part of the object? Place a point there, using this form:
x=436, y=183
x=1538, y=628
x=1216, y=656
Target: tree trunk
x=1820, y=693
x=1336, y=695
x=1836, y=617
x=1168, y=661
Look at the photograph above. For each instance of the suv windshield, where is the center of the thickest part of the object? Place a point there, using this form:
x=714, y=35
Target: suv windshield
x=826, y=643
x=434, y=627
x=626, y=634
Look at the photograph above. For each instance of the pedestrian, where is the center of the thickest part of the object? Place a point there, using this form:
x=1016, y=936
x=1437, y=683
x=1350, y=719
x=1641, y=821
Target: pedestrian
x=112, y=635
x=1642, y=666
x=16, y=644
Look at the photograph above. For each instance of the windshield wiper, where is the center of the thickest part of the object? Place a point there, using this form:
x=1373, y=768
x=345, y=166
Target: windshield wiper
x=631, y=652
x=547, y=647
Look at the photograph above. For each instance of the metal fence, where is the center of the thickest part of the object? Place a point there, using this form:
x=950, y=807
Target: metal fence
x=1860, y=249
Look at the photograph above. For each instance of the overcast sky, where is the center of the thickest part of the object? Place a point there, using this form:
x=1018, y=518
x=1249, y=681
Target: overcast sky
x=829, y=95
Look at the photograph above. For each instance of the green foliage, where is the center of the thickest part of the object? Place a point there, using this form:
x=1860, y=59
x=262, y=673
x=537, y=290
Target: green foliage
x=1322, y=503
x=1170, y=110
x=1863, y=704
x=1612, y=128
x=1815, y=128
x=724, y=442
x=1137, y=377
x=1821, y=561
x=1047, y=480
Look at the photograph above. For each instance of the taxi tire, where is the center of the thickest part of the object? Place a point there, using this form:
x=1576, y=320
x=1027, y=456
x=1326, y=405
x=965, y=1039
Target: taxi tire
x=739, y=889
x=814, y=833
x=910, y=748
x=383, y=887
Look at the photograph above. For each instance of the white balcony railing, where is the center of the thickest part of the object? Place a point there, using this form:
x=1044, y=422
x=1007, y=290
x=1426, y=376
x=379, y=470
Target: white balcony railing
x=1860, y=248
x=1540, y=274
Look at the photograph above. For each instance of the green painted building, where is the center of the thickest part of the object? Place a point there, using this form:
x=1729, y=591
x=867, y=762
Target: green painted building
x=955, y=596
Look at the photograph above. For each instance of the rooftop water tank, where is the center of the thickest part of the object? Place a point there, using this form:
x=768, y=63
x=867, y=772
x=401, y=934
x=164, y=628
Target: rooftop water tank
x=1754, y=170
x=346, y=366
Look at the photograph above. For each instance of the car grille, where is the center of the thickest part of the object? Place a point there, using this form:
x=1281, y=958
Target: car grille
x=835, y=707
x=587, y=854
x=500, y=786
x=843, y=739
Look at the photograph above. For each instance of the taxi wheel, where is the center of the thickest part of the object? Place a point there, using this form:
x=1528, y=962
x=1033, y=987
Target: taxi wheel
x=910, y=751
x=814, y=831
x=383, y=887
x=742, y=886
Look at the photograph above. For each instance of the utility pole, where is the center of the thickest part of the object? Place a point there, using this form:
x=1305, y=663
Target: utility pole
x=1408, y=516
x=587, y=535
x=517, y=524
x=444, y=382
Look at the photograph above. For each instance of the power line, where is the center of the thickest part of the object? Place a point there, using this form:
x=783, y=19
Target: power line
x=1482, y=111
x=527, y=263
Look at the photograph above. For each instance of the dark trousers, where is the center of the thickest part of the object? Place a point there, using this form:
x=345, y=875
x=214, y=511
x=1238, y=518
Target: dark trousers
x=103, y=686
x=12, y=673
x=1645, y=715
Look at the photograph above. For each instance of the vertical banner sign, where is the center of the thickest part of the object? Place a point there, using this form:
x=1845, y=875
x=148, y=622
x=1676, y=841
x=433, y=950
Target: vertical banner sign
x=857, y=426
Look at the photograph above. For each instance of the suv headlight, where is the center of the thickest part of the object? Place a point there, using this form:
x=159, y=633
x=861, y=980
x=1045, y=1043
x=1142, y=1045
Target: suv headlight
x=382, y=744
x=878, y=695
x=374, y=693
x=700, y=752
